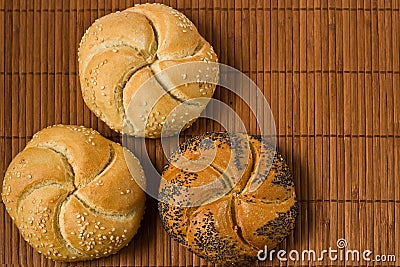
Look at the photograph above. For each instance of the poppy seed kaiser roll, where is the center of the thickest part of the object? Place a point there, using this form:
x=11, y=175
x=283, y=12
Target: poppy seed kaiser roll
x=122, y=51
x=71, y=195
x=234, y=227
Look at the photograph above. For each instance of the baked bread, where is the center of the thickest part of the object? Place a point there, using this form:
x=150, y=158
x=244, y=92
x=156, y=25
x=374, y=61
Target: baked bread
x=257, y=209
x=122, y=51
x=71, y=195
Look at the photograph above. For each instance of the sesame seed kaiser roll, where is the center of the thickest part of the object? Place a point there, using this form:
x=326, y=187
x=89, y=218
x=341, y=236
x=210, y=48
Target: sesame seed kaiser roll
x=121, y=51
x=71, y=195
x=234, y=227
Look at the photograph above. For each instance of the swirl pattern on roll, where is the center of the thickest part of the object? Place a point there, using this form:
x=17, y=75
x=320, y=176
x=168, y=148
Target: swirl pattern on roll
x=71, y=194
x=234, y=227
x=121, y=51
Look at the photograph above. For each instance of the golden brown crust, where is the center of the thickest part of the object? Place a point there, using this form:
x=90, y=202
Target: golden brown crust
x=177, y=37
x=103, y=82
x=67, y=191
x=84, y=149
x=100, y=192
x=189, y=90
x=213, y=233
x=232, y=228
x=37, y=219
x=122, y=50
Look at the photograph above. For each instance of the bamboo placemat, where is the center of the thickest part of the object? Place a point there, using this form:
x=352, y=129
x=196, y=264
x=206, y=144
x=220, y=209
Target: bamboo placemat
x=329, y=69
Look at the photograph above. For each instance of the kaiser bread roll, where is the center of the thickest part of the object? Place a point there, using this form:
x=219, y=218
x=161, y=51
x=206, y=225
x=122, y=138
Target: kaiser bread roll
x=232, y=228
x=122, y=51
x=71, y=195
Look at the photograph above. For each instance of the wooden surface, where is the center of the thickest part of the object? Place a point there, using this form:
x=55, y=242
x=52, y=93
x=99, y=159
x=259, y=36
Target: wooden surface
x=329, y=69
